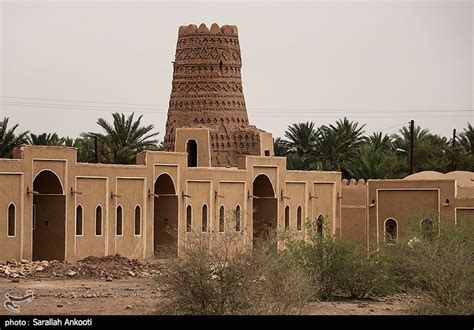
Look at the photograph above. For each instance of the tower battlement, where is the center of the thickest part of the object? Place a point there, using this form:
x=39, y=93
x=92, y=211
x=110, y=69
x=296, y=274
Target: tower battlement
x=227, y=30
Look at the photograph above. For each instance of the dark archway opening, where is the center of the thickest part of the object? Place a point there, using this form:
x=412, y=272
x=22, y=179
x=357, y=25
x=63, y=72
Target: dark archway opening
x=191, y=149
x=320, y=225
x=264, y=212
x=165, y=233
x=427, y=228
x=49, y=237
x=391, y=231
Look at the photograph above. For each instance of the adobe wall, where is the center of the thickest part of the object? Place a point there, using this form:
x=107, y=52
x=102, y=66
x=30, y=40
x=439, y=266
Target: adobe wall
x=107, y=187
x=408, y=202
x=354, y=211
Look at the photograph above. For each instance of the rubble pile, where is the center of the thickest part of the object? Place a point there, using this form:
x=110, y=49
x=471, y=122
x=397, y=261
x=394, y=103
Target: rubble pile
x=107, y=268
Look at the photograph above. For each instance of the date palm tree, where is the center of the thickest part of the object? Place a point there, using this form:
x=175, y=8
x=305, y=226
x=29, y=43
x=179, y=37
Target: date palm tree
x=123, y=139
x=466, y=139
x=368, y=163
x=46, y=139
x=380, y=141
x=336, y=146
x=301, y=138
x=10, y=140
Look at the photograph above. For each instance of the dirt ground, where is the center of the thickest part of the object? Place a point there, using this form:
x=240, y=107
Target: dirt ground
x=114, y=285
x=140, y=296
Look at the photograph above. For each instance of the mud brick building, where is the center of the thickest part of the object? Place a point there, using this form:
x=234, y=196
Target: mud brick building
x=217, y=177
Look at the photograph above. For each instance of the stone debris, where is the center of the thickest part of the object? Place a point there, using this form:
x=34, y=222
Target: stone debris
x=109, y=268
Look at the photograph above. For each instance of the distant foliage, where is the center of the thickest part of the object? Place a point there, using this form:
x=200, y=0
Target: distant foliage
x=10, y=138
x=344, y=147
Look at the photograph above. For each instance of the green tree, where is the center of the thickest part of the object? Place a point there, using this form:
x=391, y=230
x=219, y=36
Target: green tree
x=123, y=139
x=465, y=157
x=10, y=140
x=46, y=139
x=280, y=147
x=368, y=163
x=336, y=146
x=380, y=142
x=301, y=138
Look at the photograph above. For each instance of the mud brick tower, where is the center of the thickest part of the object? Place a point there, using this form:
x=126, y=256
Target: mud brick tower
x=207, y=113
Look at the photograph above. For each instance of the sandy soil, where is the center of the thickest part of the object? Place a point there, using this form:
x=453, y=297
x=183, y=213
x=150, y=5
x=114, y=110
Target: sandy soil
x=142, y=295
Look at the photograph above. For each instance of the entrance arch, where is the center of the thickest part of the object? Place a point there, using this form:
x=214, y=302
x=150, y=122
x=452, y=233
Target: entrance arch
x=49, y=232
x=165, y=233
x=265, y=206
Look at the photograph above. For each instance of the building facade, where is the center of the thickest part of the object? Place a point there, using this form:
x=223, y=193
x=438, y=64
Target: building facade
x=217, y=177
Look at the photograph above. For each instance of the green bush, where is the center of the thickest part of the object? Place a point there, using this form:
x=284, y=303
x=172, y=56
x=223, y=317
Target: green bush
x=439, y=266
x=338, y=267
x=366, y=276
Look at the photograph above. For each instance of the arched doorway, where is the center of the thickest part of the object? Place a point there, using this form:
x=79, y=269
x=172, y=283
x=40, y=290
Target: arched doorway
x=165, y=231
x=49, y=223
x=264, y=211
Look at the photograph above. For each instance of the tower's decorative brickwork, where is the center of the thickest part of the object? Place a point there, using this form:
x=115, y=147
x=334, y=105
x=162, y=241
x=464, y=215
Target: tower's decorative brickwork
x=207, y=92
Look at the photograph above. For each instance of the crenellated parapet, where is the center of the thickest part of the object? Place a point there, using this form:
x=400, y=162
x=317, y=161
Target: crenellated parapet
x=354, y=192
x=227, y=30
x=354, y=183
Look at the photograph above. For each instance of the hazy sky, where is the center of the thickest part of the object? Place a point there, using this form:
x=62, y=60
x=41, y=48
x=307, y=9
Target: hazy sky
x=381, y=63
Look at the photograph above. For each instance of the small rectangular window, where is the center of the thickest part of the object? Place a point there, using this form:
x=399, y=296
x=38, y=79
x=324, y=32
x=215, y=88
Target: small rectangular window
x=188, y=218
x=11, y=220
x=137, y=220
x=98, y=220
x=221, y=219
x=119, y=225
x=79, y=220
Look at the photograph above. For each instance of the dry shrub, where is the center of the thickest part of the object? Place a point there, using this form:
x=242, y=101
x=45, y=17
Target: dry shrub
x=226, y=278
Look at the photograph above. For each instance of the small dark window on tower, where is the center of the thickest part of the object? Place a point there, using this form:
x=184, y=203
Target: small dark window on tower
x=267, y=152
x=98, y=220
x=79, y=220
x=11, y=219
x=138, y=218
x=191, y=149
x=221, y=66
x=204, y=219
x=287, y=218
x=237, y=218
x=189, y=218
x=298, y=218
x=119, y=228
x=221, y=219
